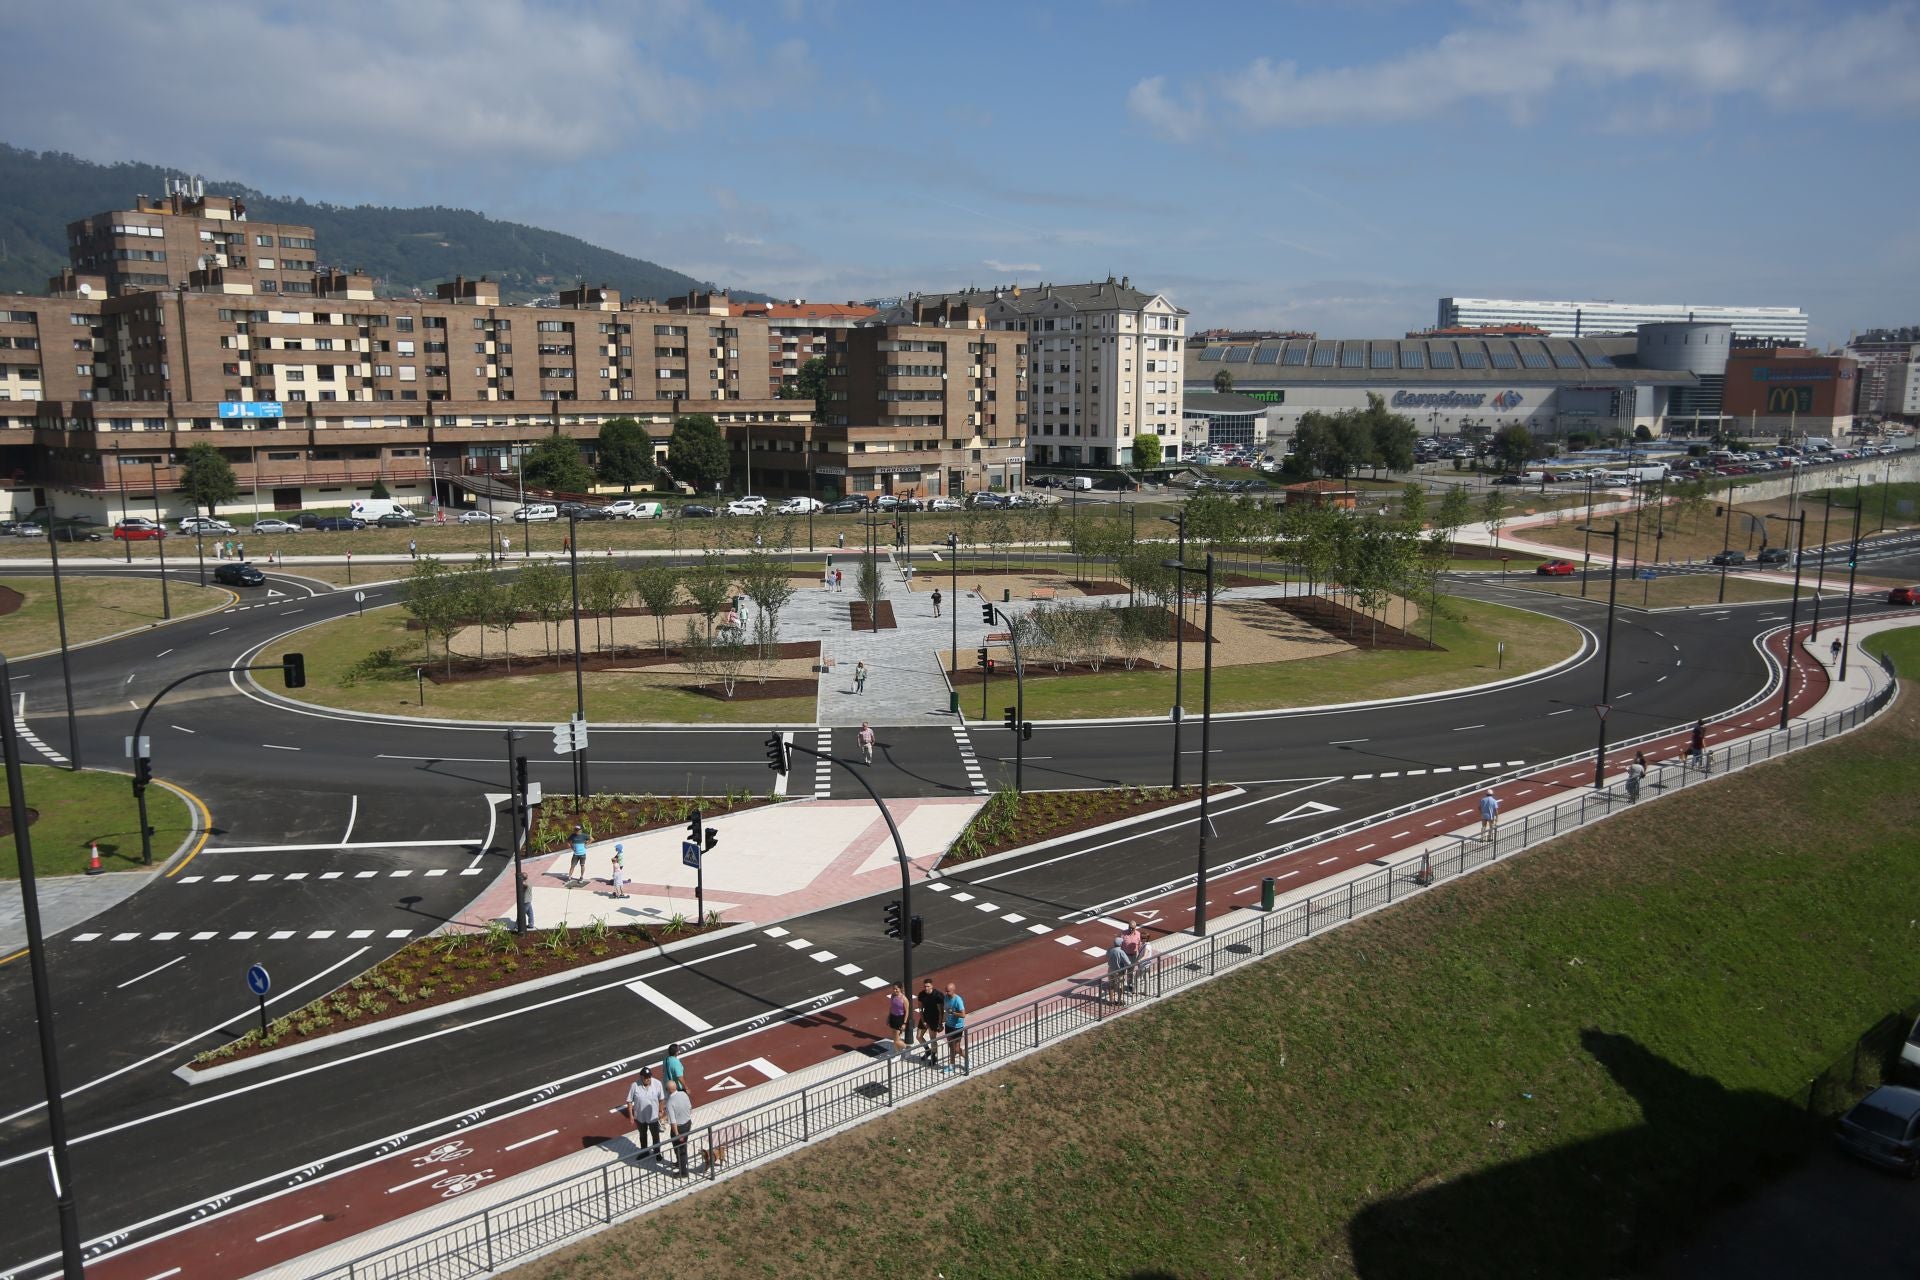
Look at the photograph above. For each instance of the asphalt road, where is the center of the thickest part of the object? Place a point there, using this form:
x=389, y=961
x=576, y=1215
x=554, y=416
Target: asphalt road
x=348, y=834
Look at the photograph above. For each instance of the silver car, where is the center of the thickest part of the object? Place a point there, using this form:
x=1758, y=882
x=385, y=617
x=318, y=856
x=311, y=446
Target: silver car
x=1883, y=1128
x=478, y=517
x=275, y=526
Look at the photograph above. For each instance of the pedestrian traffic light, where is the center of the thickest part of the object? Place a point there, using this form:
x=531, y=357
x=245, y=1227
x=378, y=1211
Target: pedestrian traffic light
x=520, y=774
x=694, y=827
x=980, y=658
x=142, y=772
x=986, y=614
x=777, y=754
x=917, y=930
x=293, y=668
x=893, y=918
x=713, y=838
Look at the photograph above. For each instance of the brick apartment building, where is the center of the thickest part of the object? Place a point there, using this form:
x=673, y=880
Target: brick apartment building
x=800, y=331
x=162, y=240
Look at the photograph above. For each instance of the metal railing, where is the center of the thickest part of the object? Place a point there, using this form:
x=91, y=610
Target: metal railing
x=538, y=1220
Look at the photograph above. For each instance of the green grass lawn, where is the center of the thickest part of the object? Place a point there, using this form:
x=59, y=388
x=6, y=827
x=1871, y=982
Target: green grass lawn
x=95, y=607
x=340, y=675
x=1555, y=1068
x=1669, y=592
x=77, y=807
x=1467, y=657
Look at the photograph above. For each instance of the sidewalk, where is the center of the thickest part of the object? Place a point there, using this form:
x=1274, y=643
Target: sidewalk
x=65, y=901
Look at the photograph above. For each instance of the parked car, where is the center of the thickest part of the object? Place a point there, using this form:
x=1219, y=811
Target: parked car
x=800, y=506
x=398, y=520
x=239, y=575
x=883, y=502
x=595, y=513
x=140, y=531
x=566, y=509
x=1904, y=595
x=534, y=512
x=1556, y=569
x=944, y=504
x=331, y=524
x=1775, y=555
x=694, y=511
x=76, y=533
x=741, y=507
x=478, y=517
x=986, y=498
x=752, y=501
x=204, y=524
x=271, y=525
x=845, y=507
x=28, y=529
x=1729, y=558
x=910, y=504
x=1883, y=1128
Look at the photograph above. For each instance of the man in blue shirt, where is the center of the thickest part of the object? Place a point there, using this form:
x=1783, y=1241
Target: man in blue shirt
x=956, y=1026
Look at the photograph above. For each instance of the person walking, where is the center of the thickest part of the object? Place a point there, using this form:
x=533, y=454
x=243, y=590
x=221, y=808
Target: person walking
x=956, y=1019
x=860, y=679
x=413, y=549
x=680, y=1126
x=826, y=580
x=1117, y=964
x=936, y=602
x=897, y=1018
x=241, y=549
x=840, y=541
x=1135, y=943
x=577, y=865
x=506, y=545
x=673, y=1069
x=933, y=1013
x=1489, y=810
x=838, y=578
x=644, y=1100
x=619, y=877
x=1697, y=749
x=1635, y=772
x=1835, y=649
x=865, y=738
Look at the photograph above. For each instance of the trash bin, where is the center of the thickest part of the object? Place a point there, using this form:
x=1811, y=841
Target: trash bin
x=1006, y=595
x=953, y=701
x=1266, y=893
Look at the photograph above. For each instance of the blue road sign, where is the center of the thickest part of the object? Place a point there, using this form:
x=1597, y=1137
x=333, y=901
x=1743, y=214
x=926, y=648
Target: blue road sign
x=257, y=980
x=690, y=854
x=1647, y=575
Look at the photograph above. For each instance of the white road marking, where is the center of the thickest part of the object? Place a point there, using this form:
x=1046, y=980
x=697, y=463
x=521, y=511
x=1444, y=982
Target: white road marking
x=1324, y=861
x=274, y=746
x=215, y=633
x=163, y=653
x=1363, y=848
x=1463, y=728
x=847, y=970
x=527, y=1142
x=425, y=1177
x=1339, y=742
x=181, y=728
x=673, y=1009
x=291, y=1226
x=353, y=811
x=149, y=973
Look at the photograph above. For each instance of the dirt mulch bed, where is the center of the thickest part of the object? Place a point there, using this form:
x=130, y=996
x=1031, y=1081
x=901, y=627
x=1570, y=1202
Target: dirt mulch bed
x=1334, y=620
x=467, y=669
x=1004, y=671
x=679, y=610
x=747, y=689
x=6, y=820
x=1008, y=822
x=1476, y=551
x=857, y=610
x=10, y=601
x=1099, y=586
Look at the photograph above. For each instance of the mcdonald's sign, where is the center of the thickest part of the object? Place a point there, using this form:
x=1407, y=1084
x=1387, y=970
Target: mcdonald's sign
x=1789, y=400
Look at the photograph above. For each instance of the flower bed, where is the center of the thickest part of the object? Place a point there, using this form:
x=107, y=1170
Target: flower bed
x=1010, y=820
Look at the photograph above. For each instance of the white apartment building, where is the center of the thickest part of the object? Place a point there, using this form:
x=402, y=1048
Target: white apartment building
x=1902, y=396
x=1784, y=325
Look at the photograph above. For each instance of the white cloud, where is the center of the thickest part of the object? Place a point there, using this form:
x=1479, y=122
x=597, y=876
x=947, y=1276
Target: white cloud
x=1519, y=54
x=1009, y=268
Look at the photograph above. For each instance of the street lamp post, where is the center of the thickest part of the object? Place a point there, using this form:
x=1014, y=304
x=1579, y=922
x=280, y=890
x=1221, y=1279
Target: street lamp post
x=1179, y=641
x=1853, y=561
x=1606, y=657
x=1726, y=543
x=160, y=518
x=120, y=473
x=953, y=596
x=517, y=804
x=1793, y=614
x=1820, y=571
x=64, y=1207
x=1180, y=568
x=1586, y=542
x=66, y=665
x=579, y=680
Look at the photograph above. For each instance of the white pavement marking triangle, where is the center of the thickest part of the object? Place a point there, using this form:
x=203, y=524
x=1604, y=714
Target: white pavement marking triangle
x=1307, y=809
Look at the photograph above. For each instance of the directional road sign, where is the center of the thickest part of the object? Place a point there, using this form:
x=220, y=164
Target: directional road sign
x=257, y=980
x=569, y=737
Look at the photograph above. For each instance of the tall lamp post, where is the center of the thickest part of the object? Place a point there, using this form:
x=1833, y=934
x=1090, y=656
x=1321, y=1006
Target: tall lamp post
x=1179, y=640
x=1606, y=657
x=953, y=596
x=1586, y=542
x=1853, y=561
x=160, y=518
x=1793, y=613
x=579, y=680
x=64, y=1207
x=1181, y=568
x=60, y=616
x=1726, y=543
x=1820, y=570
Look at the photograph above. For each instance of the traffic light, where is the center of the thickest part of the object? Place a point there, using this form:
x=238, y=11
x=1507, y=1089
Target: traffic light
x=293, y=668
x=694, y=827
x=981, y=659
x=1026, y=731
x=893, y=918
x=520, y=779
x=986, y=614
x=1008, y=719
x=917, y=930
x=713, y=838
x=777, y=754
x=142, y=772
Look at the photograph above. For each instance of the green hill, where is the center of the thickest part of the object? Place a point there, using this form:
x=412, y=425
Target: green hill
x=404, y=249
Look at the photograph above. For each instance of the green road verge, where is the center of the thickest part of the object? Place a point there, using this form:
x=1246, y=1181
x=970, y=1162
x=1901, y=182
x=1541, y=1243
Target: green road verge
x=95, y=607
x=1670, y=591
x=1468, y=655
x=346, y=669
x=75, y=808
x=1556, y=1067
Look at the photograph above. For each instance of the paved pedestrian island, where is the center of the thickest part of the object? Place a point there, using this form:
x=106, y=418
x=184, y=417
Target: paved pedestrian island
x=771, y=863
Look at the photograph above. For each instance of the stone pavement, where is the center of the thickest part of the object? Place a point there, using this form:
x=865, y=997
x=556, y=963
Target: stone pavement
x=65, y=901
x=772, y=863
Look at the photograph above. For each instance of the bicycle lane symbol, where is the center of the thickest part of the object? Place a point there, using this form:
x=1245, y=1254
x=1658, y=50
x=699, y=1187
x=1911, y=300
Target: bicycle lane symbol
x=445, y=1153
x=461, y=1183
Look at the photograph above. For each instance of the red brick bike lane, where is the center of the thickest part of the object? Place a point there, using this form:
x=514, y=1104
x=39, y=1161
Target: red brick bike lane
x=449, y=1161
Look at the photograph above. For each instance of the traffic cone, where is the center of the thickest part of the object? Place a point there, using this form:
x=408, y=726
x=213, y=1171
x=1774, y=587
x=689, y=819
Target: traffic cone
x=93, y=858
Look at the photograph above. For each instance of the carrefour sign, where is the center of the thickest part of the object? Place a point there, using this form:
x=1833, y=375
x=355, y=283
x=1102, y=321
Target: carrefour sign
x=1455, y=400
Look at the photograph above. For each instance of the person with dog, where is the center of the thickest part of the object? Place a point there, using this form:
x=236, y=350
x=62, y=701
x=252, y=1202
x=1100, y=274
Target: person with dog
x=680, y=1125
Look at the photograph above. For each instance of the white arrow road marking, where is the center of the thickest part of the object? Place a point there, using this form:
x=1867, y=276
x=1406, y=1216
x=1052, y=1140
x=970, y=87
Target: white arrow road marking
x=1308, y=809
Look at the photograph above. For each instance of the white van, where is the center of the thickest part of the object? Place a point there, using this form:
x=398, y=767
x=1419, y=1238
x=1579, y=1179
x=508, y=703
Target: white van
x=1075, y=482
x=537, y=511
x=1533, y=477
x=371, y=509
x=628, y=509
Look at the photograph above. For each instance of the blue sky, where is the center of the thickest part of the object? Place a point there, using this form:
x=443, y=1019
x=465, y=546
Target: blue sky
x=1326, y=166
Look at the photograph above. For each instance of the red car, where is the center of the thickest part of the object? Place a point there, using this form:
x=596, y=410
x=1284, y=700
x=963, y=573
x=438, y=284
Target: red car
x=1556, y=569
x=138, y=531
x=1904, y=595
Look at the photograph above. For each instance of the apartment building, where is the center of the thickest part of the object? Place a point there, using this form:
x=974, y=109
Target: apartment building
x=799, y=331
x=1880, y=352
x=162, y=240
x=1105, y=363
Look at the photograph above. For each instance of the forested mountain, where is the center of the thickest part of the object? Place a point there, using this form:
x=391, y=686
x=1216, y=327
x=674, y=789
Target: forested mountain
x=404, y=249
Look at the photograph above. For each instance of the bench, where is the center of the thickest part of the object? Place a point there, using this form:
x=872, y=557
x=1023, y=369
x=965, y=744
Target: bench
x=1041, y=593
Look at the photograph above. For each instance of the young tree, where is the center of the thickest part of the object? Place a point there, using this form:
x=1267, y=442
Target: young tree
x=603, y=590
x=720, y=659
x=626, y=454
x=1493, y=511
x=710, y=587
x=767, y=583
x=1135, y=631
x=479, y=585
x=658, y=587
x=1413, y=505
x=543, y=591
x=206, y=478
x=1456, y=509
x=697, y=452
x=1146, y=446
x=429, y=595
x=556, y=463
x=868, y=583
x=499, y=611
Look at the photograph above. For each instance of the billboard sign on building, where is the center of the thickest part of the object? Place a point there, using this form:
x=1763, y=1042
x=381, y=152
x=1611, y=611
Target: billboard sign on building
x=250, y=409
